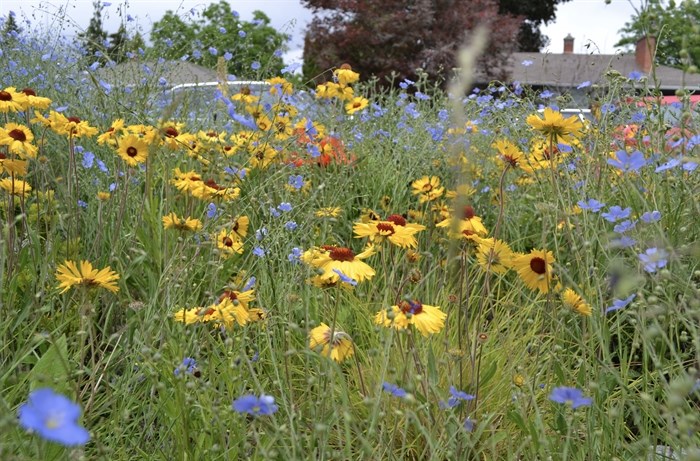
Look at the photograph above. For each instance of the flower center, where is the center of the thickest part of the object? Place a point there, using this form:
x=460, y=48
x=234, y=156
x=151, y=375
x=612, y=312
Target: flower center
x=341, y=254
x=385, y=229
x=171, y=132
x=227, y=241
x=5, y=96
x=29, y=92
x=427, y=187
x=397, y=219
x=538, y=265
x=411, y=307
x=131, y=151
x=17, y=135
x=212, y=134
x=228, y=294
x=468, y=212
x=52, y=422
x=211, y=183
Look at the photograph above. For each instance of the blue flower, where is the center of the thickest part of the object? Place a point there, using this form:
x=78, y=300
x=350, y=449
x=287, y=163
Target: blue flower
x=651, y=216
x=294, y=256
x=591, y=204
x=624, y=226
x=616, y=213
x=583, y=85
x=296, y=181
x=469, y=424
x=674, y=162
x=620, y=303
x=526, y=63
x=212, y=211
x=607, y=108
x=259, y=252
x=345, y=278
x=628, y=162
x=638, y=117
x=188, y=365
x=654, y=259
x=213, y=51
x=228, y=56
x=54, y=417
x=256, y=406
x=623, y=242
x=570, y=396
x=88, y=159
x=456, y=396
x=290, y=225
x=394, y=390
x=242, y=34
x=285, y=206
x=546, y=94
x=635, y=75
x=255, y=65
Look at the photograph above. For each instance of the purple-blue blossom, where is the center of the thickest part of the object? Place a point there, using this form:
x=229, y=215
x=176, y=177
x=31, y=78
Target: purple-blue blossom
x=570, y=396
x=654, y=259
x=628, y=162
x=620, y=303
x=615, y=213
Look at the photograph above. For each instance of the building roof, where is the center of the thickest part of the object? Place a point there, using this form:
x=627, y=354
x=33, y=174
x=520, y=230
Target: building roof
x=135, y=72
x=570, y=70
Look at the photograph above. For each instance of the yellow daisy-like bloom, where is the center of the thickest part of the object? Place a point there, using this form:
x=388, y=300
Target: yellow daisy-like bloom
x=240, y=226
x=224, y=313
x=70, y=126
x=338, y=347
x=210, y=189
x=262, y=156
x=508, y=153
x=12, y=101
x=395, y=229
x=535, y=269
x=228, y=243
x=427, y=319
x=239, y=297
x=280, y=85
x=494, y=255
x=244, y=96
x=555, y=127
x=16, y=167
x=575, y=302
x=345, y=75
x=19, y=140
x=71, y=274
x=328, y=212
x=132, y=149
x=469, y=223
x=173, y=221
x=333, y=259
x=283, y=128
x=110, y=136
x=145, y=132
x=186, y=181
x=103, y=196
x=15, y=186
x=427, y=188
x=356, y=104
x=37, y=102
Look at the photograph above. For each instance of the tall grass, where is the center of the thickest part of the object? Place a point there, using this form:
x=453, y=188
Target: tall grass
x=119, y=355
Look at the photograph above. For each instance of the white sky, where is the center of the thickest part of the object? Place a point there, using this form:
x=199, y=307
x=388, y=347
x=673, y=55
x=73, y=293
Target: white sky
x=589, y=21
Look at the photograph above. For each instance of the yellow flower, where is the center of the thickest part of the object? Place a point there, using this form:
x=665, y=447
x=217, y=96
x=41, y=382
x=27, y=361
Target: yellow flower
x=345, y=75
x=427, y=188
x=356, y=104
x=494, y=255
x=508, y=153
x=262, y=156
x=186, y=181
x=228, y=243
x=338, y=348
x=468, y=223
x=103, y=196
x=575, y=302
x=12, y=101
x=427, y=319
x=71, y=274
x=332, y=260
x=16, y=167
x=279, y=85
x=132, y=149
x=394, y=228
x=15, y=186
x=535, y=269
x=19, y=140
x=224, y=313
x=70, y=126
x=172, y=221
x=328, y=212
x=110, y=136
x=38, y=102
x=210, y=189
x=555, y=127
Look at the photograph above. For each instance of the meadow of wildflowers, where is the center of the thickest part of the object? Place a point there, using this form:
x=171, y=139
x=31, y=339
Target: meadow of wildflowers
x=405, y=275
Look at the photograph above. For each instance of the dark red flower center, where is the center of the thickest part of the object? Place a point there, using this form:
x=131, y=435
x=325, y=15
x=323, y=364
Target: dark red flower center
x=385, y=228
x=411, y=307
x=538, y=265
x=5, y=96
x=17, y=135
x=340, y=253
x=228, y=294
x=212, y=134
x=29, y=92
x=211, y=183
x=74, y=119
x=171, y=132
x=131, y=151
x=397, y=219
x=205, y=311
x=468, y=212
x=227, y=241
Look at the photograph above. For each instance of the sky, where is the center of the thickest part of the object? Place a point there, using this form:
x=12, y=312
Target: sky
x=590, y=22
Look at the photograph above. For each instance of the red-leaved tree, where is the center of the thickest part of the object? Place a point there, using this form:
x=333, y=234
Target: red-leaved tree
x=381, y=37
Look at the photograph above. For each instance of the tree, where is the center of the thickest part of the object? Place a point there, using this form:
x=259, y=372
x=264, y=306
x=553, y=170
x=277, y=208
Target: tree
x=94, y=37
x=535, y=14
x=217, y=32
x=381, y=37
x=11, y=29
x=676, y=28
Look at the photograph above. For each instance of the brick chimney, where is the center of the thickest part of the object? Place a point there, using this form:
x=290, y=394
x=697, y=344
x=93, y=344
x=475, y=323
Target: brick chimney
x=568, y=44
x=644, y=53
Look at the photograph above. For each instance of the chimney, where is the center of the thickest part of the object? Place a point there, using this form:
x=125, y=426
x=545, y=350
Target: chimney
x=644, y=53
x=568, y=44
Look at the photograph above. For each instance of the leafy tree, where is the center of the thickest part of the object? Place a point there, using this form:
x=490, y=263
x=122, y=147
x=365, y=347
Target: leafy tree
x=676, y=28
x=94, y=37
x=382, y=37
x=11, y=29
x=535, y=14
x=218, y=31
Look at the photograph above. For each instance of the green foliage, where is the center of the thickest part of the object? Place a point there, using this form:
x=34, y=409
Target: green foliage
x=676, y=26
x=218, y=28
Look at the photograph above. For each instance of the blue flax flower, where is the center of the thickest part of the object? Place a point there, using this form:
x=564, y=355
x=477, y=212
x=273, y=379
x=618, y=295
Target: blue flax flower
x=456, y=396
x=188, y=365
x=570, y=396
x=615, y=213
x=591, y=204
x=624, y=226
x=628, y=162
x=620, y=303
x=54, y=417
x=654, y=259
x=651, y=216
x=256, y=406
x=394, y=390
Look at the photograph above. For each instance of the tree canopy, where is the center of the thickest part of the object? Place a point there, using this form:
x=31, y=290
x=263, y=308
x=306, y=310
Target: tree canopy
x=103, y=46
x=535, y=13
x=383, y=37
x=676, y=26
x=247, y=47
